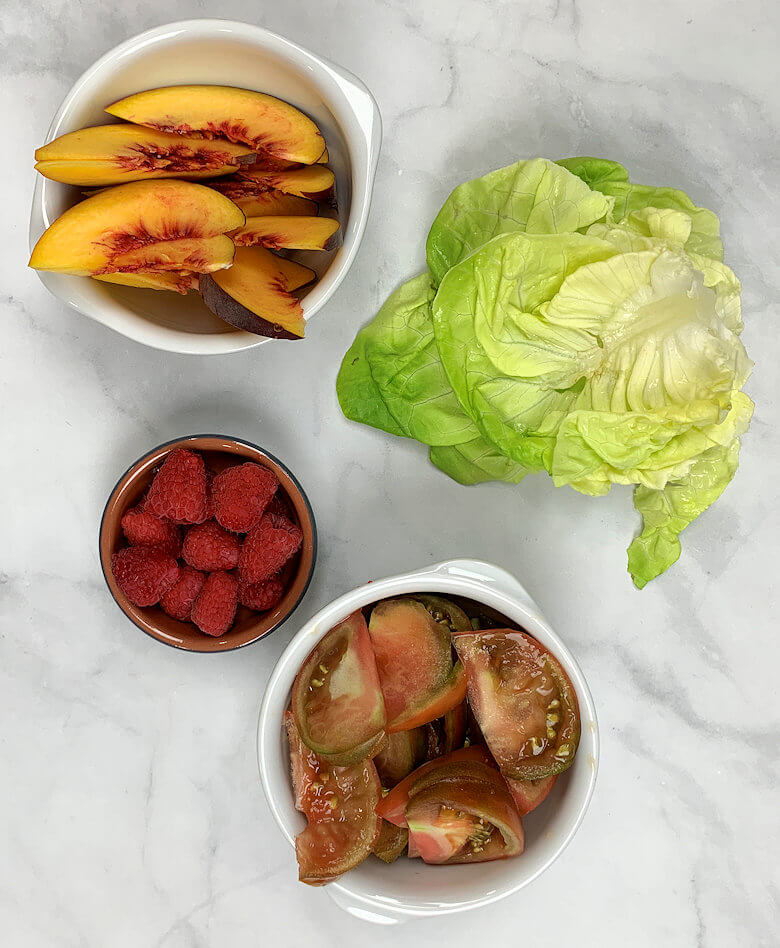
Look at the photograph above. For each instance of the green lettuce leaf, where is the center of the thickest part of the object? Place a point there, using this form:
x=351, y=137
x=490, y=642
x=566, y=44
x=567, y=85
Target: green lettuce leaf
x=510, y=370
x=611, y=178
x=666, y=513
x=392, y=377
x=535, y=196
x=475, y=462
x=359, y=395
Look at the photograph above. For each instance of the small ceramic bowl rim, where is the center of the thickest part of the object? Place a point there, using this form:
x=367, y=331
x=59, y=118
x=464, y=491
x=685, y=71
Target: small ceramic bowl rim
x=182, y=441
x=474, y=579
x=368, y=120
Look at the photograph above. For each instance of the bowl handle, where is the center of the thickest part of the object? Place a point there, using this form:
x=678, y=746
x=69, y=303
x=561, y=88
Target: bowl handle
x=366, y=112
x=366, y=912
x=488, y=573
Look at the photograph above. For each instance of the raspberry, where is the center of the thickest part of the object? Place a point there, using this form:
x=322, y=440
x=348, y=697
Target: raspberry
x=240, y=495
x=280, y=505
x=144, y=573
x=177, y=602
x=261, y=596
x=207, y=546
x=267, y=548
x=144, y=529
x=178, y=491
x=215, y=607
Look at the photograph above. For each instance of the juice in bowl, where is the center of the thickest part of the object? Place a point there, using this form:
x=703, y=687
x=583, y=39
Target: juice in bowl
x=465, y=796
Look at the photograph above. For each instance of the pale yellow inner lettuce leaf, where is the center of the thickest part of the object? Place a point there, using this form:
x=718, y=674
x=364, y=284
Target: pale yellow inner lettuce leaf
x=666, y=513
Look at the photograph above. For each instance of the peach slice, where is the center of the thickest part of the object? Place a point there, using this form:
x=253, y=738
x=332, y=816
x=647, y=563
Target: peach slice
x=276, y=204
x=269, y=163
x=113, y=154
x=268, y=125
x=314, y=182
x=256, y=293
x=195, y=254
x=150, y=280
x=129, y=223
x=288, y=233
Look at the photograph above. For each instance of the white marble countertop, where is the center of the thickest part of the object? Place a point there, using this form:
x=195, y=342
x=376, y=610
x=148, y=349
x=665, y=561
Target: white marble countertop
x=130, y=808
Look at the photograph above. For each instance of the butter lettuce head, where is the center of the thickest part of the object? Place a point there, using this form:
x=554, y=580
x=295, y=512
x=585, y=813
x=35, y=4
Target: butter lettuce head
x=572, y=322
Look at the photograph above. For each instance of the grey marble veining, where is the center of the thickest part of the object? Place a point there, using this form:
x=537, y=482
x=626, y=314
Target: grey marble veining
x=130, y=809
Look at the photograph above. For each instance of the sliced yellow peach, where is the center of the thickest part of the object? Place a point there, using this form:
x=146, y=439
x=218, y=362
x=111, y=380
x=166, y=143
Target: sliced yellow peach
x=314, y=182
x=256, y=293
x=277, y=204
x=269, y=125
x=151, y=280
x=269, y=163
x=288, y=233
x=324, y=158
x=114, y=154
x=119, y=222
x=196, y=254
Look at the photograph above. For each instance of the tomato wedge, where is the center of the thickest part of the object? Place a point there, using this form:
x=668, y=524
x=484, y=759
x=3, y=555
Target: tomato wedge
x=339, y=804
x=393, y=805
x=528, y=794
x=463, y=813
x=414, y=660
x=404, y=751
x=336, y=699
x=391, y=842
x=445, y=612
x=448, y=733
x=523, y=700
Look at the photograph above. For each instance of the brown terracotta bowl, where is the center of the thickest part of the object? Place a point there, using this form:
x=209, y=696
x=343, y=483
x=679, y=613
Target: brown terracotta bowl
x=218, y=452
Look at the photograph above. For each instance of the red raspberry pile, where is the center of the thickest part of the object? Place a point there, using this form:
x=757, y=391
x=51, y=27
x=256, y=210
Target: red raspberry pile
x=200, y=545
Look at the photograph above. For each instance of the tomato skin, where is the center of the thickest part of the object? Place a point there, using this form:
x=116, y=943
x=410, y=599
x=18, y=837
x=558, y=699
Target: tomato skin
x=339, y=805
x=404, y=751
x=449, y=696
x=393, y=805
x=414, y=660
x=448, y=733
x=529, y=794
x=337, y=703
x=445, y=611
x=523, y=701
x=463, y=813
x=455, y=726
x=391, y=842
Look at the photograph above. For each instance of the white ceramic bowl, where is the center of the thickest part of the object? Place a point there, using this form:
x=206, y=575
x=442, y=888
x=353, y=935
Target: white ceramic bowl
x=408, y=888
x=219, y=52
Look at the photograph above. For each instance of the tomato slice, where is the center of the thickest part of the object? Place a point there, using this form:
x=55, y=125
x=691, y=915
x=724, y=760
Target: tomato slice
x=336, y=699
x=463, y=813
x=523, y=700
x=414, y=659
x=445, y=612
x=404, y=751
x=391, y=842
x=448, y=733
x=528, y=794
x=339, y=804
x=393, y=805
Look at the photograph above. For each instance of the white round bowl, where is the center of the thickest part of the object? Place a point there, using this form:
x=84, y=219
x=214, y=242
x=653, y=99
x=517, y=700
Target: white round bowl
x=218, y=52
x=408, y=888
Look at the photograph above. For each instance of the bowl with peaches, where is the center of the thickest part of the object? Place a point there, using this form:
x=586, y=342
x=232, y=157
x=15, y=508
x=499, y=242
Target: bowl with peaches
x=204, y=187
